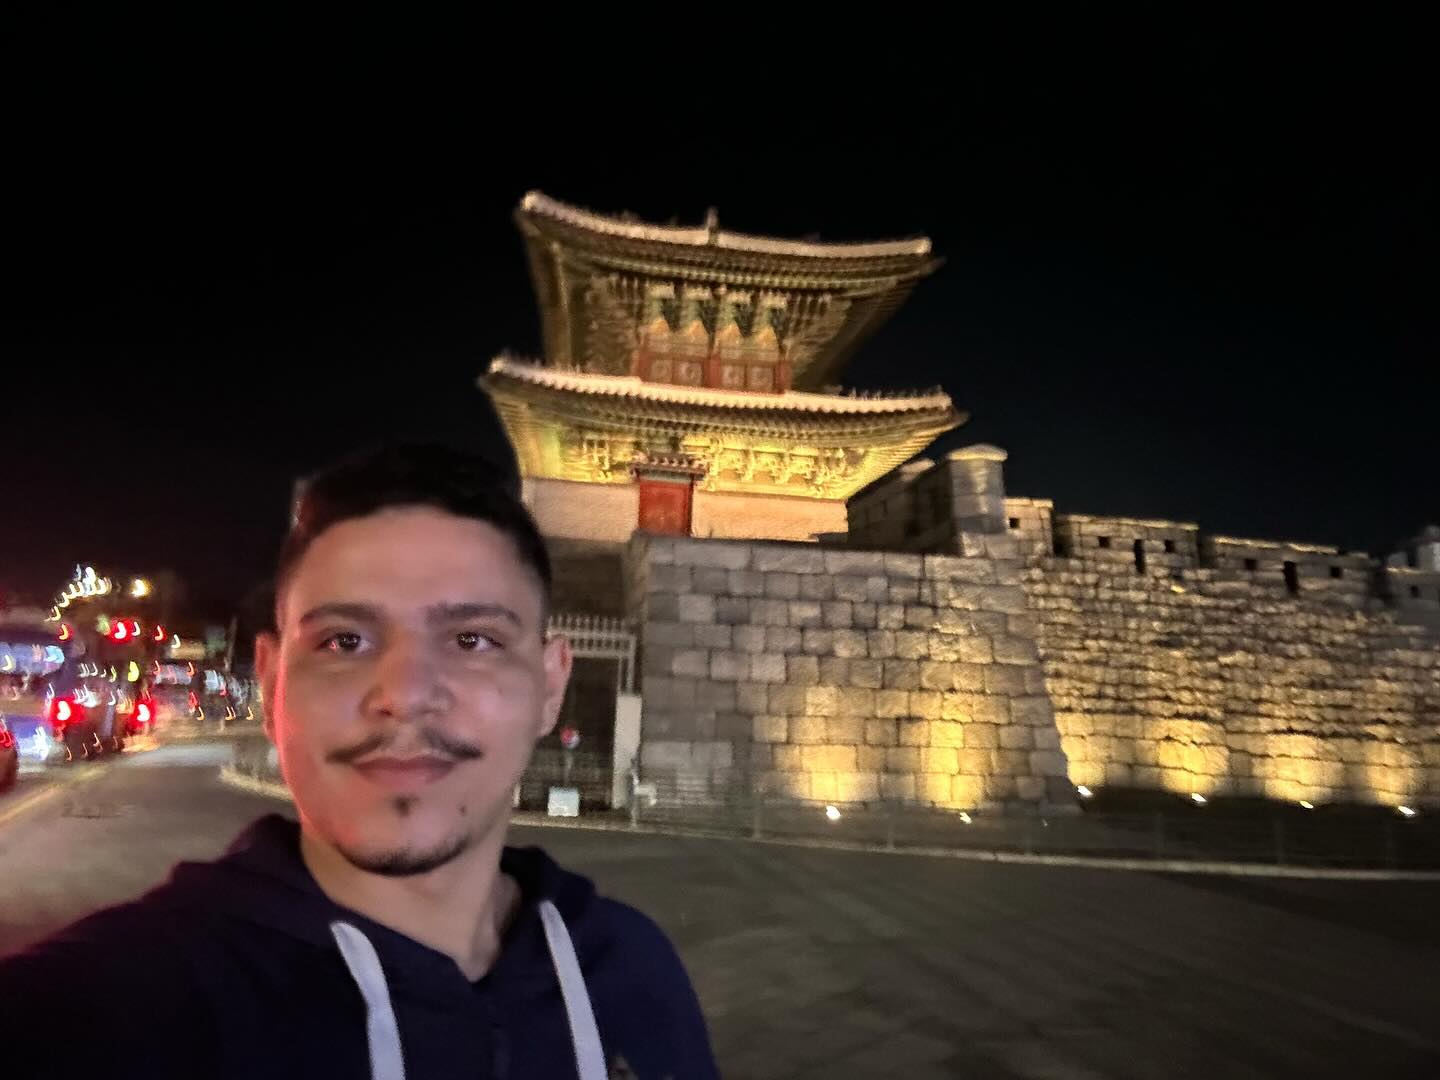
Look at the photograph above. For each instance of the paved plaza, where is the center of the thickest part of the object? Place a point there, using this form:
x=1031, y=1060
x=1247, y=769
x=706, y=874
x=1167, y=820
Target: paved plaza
x=821, y=963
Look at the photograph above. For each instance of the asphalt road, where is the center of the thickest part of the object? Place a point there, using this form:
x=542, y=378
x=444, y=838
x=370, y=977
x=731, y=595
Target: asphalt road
x=820, y=963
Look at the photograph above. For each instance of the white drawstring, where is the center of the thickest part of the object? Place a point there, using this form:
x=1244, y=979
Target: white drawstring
x=383, y=1033
x=387, y=1062
x=589, y=1055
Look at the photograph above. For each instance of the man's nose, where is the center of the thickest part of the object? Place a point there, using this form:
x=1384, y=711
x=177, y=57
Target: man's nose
x=407, y=683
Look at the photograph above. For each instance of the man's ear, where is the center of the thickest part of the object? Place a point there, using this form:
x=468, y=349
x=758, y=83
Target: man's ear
x=267, y=666
x=558, y=661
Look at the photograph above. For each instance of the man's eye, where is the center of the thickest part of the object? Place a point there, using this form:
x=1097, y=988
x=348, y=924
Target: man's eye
x=473, y=641
x=344, y=642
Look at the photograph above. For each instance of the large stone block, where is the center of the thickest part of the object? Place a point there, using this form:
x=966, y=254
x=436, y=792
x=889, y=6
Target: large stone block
x=880, y=644
x=919, y=616
x=850, y=588
x=782, y=586
x=999, y=788
x=939, y=759
x=844, y=729
x=1047, y=763
x=967, y=792
x=871, y=758
x=1015, y=737
x=927, y=705
x=717, y=696
x=710, y=580
x=1009, y=763
x=864, y=563
x=793, y=560
x=935, y=788
x=848, y=644
x=802, y=670
x=770, y=612
x=865, y=673
x=902, y=759
x=914, y=732
x=817, y=641
x=747, y=639
x=881, y=732
x=767, y=668
x=855, y=787
x=806, y=613
x=1033, y=711
x=783, y=639
x=745, y=583
x=829, y=758
x=901, y=675
x=890, y=616
x=982, y=736
x=752, y=698
x=947, y=733
x=770, y=729
x=730, y=610
x=912, y=644
x=822, y=700
x=729, y=666
x=695, y=608
x=1013, y=650
x=816, y=587
x=823, y=787
x=856, y=702
x=892, y=703
x=787, y=700
x=1030, y=787
x=900, y=786
x=974, y=761
x=807, y=730
x=1002, y=679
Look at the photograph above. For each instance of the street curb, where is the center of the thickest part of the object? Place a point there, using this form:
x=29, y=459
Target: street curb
x=1014, y=858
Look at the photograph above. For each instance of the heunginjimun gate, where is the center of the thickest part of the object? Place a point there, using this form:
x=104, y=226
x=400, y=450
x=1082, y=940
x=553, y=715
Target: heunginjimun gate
x=688, y=379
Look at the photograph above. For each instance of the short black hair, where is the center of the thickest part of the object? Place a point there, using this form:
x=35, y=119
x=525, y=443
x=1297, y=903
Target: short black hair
x=414, y=474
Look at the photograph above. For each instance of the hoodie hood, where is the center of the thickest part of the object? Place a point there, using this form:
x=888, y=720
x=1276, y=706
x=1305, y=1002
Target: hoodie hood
x=263, y=880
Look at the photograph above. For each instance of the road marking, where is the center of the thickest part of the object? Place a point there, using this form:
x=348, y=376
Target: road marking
x=46, y=793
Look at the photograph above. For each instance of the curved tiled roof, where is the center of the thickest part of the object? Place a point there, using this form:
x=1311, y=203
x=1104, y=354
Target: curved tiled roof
x=630, y=386
x=536, y=202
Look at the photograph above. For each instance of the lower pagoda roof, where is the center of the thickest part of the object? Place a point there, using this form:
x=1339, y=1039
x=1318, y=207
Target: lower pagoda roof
x=577, y=425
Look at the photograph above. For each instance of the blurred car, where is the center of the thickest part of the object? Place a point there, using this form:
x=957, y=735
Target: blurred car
x=9, y=758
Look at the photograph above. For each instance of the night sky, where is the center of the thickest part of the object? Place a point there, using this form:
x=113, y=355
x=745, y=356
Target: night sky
x=1190, y=283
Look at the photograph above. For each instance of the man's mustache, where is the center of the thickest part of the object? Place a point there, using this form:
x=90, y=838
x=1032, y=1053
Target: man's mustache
x=444, y=744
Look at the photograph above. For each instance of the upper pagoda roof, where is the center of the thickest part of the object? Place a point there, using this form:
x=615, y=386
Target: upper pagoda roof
x=536, y=205
x=593, y=274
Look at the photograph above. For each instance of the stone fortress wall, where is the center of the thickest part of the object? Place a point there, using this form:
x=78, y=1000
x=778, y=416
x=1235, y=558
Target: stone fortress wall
x=1191, y=663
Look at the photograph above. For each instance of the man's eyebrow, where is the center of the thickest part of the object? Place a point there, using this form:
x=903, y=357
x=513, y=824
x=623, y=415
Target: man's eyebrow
x=442, y=613
x=338, y=609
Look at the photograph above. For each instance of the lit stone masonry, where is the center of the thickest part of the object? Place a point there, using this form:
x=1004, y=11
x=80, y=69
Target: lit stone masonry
x=843, y=676
x=1202, y=664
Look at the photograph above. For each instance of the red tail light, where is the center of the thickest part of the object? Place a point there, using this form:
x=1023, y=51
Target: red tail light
x=6, y=739
x=144, y=713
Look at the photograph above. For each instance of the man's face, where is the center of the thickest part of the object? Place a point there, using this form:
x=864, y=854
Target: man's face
x=407, y=685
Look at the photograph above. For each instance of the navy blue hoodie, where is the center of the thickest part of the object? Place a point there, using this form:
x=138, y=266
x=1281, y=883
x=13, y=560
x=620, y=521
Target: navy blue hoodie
x=232, y=969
